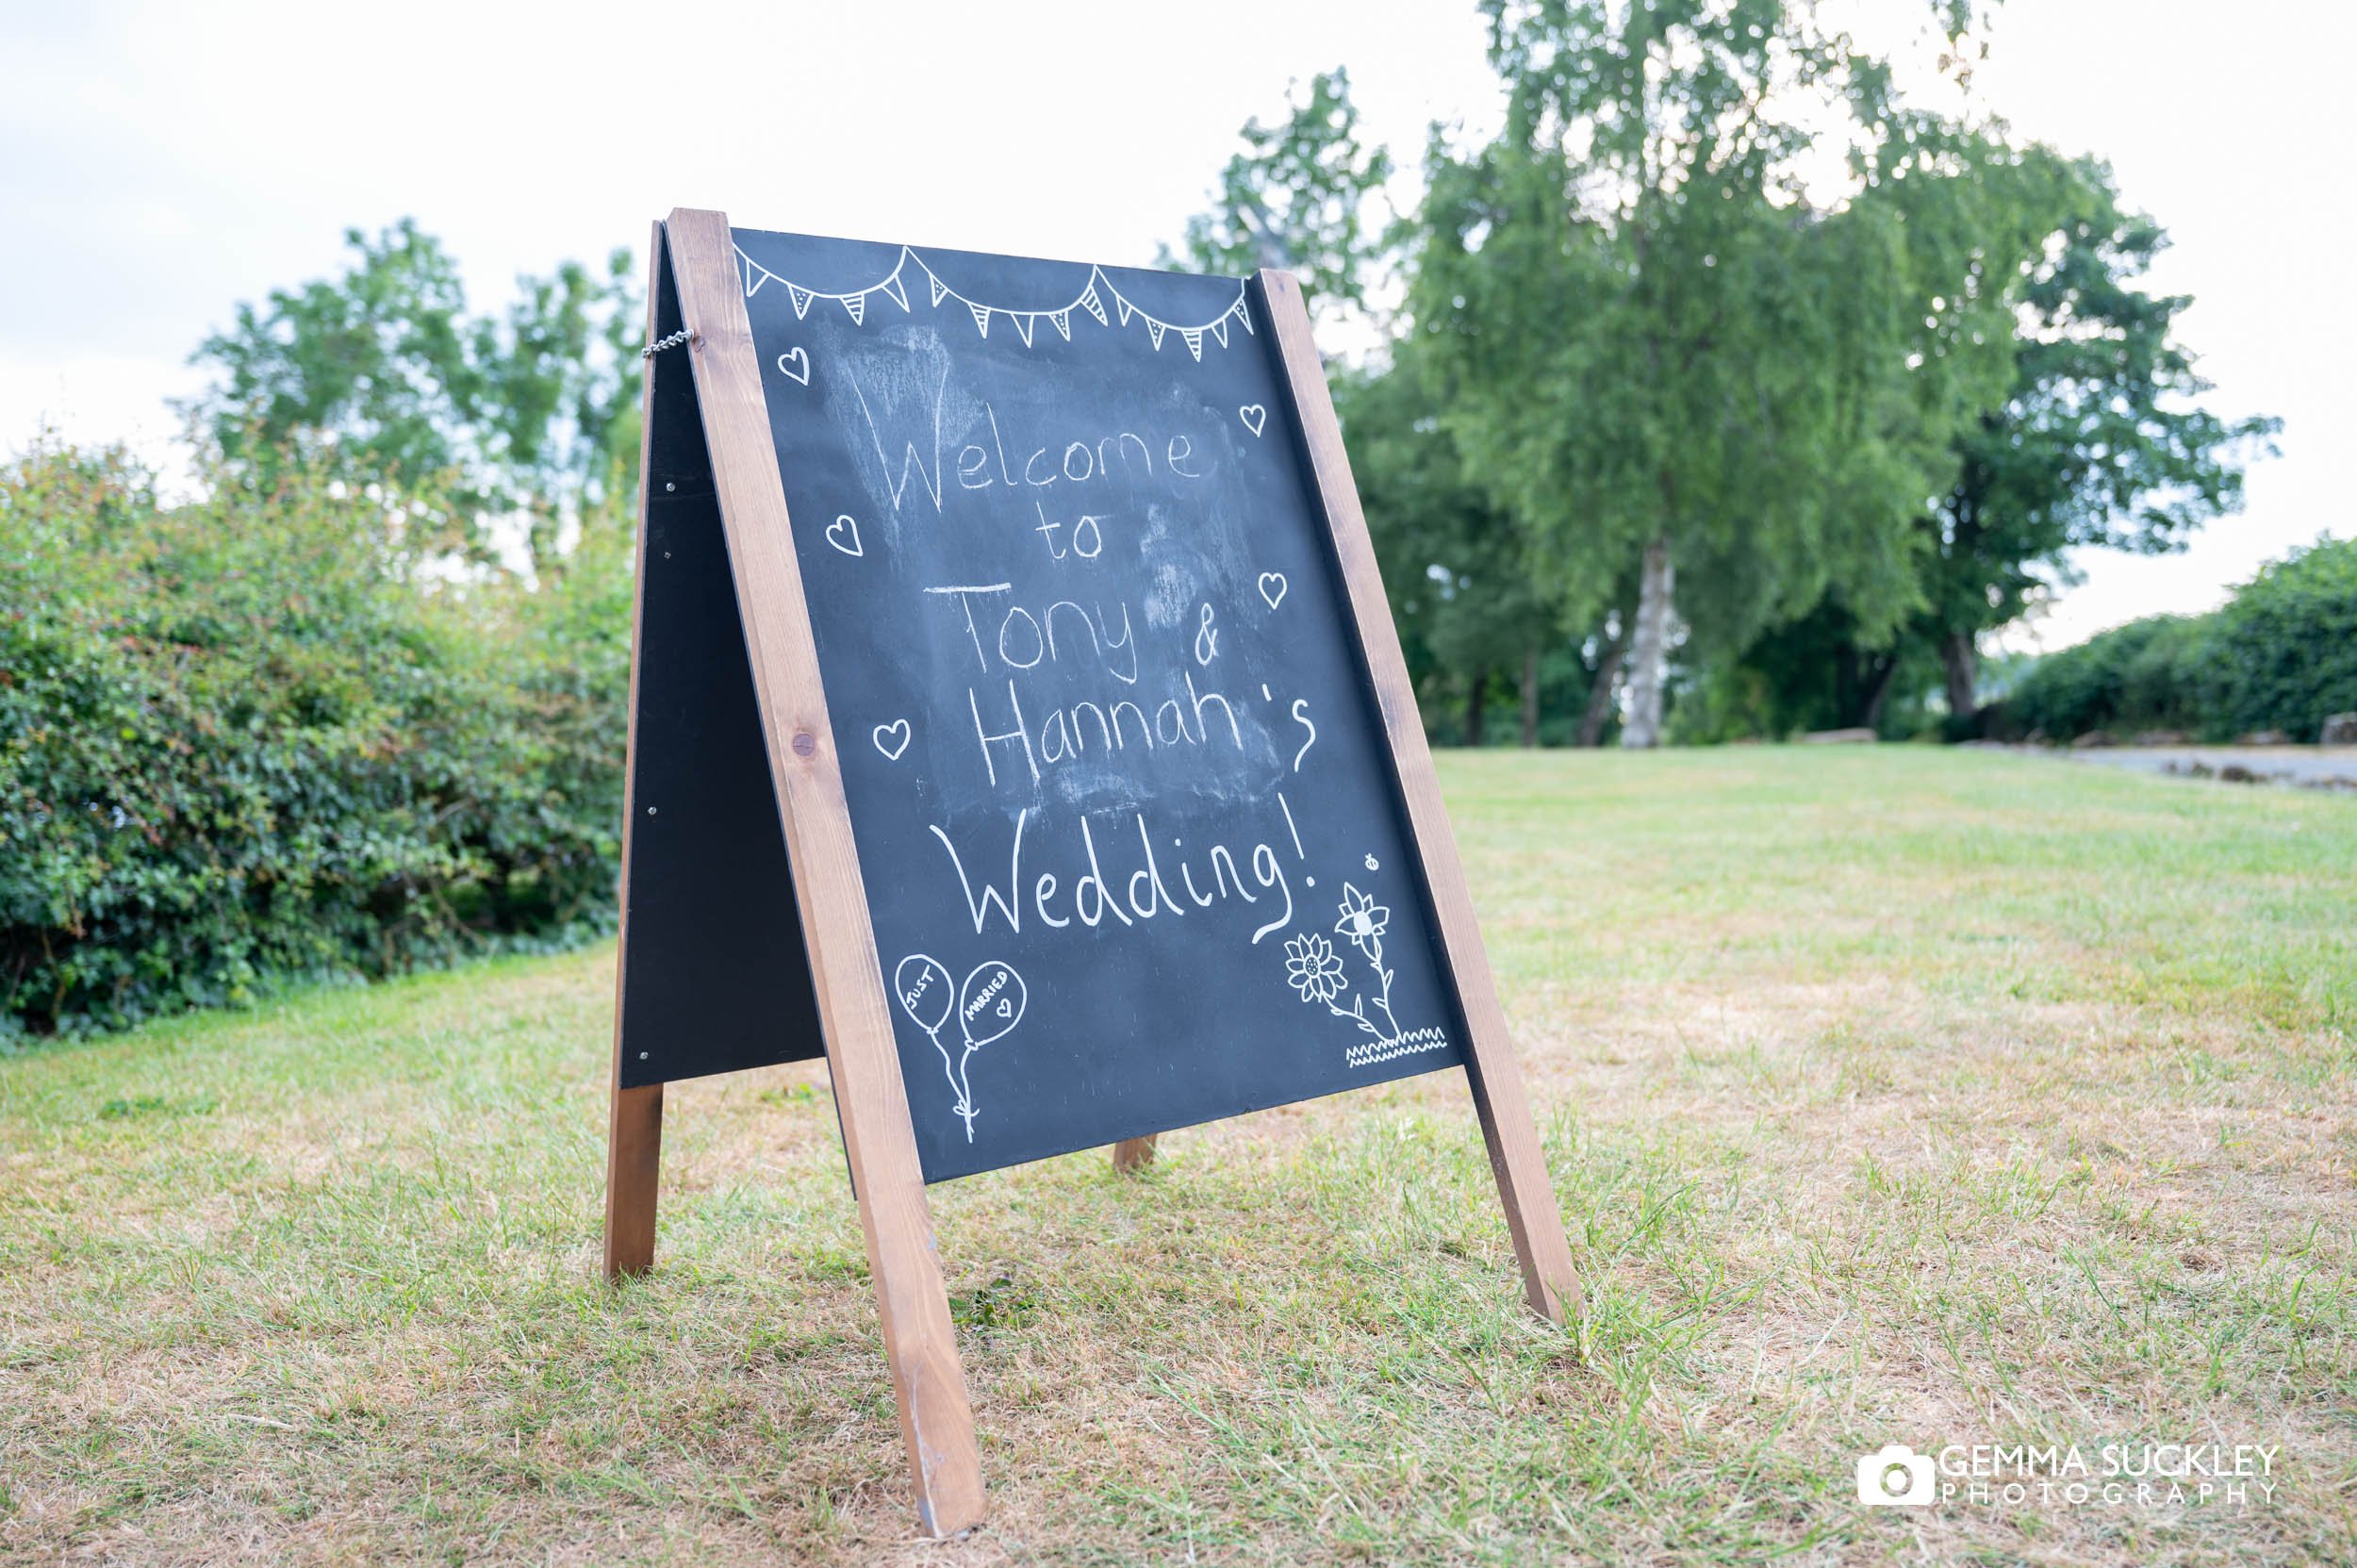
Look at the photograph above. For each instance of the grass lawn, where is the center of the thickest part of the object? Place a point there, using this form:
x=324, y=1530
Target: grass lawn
x=1893, y=1095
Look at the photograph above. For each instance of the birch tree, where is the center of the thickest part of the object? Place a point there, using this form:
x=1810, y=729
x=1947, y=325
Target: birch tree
x=1297, y=198
x=1714, y=305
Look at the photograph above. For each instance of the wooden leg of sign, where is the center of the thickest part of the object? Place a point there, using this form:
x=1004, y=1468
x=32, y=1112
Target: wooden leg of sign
x=1132, y=1154
x=920, y=1341
x=634, y=1153
x=634, y=1160
x=1524, y=1189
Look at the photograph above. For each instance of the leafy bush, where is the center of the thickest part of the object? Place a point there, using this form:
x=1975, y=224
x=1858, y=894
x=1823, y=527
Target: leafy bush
x=2288, y=642
x=2281, y=655
x=2154, y=674
x=255, y=735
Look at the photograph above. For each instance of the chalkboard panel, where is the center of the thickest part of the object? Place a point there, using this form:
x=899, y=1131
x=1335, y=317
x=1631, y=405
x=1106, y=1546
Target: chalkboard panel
x=715, y=975
x=1130, y=834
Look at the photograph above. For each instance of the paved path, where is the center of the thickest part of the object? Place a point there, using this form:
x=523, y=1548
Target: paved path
x=2321, y=766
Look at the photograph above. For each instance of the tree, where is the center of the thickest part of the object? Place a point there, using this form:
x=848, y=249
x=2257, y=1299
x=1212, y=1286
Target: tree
x=1679, y=361
x=1294, y=199
x=1297, y=199
x=1811, y=673
x=528, y=421
x=2099, y=443
x=1454, y=561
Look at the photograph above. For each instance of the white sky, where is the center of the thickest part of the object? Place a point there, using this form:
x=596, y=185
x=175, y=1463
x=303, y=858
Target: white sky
x=159, y=162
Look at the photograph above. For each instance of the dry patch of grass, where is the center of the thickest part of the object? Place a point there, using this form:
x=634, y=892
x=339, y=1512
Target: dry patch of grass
x=1893, y=1096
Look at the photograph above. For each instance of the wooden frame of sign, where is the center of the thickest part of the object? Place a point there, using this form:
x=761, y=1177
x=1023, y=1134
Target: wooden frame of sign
x=697, y=289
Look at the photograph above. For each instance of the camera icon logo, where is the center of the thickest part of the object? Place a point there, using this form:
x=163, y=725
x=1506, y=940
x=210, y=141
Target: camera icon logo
x=1894, y=1474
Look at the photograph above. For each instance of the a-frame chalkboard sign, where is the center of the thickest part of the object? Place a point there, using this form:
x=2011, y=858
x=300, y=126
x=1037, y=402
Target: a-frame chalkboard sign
x=1018, y=718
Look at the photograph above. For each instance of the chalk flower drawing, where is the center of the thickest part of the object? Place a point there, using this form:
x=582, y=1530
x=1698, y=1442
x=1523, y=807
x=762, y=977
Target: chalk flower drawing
x=1314, y=968
x=1363, y=921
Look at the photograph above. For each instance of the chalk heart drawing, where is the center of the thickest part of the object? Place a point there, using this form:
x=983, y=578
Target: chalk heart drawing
x=1254, y=417
x=1273, y=588
x=788, y=360
x=892, y=739
x=844, y=535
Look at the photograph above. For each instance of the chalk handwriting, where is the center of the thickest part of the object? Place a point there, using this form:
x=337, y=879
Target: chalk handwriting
x=1088, y=534
x=910, y=457
x=1122, y=455
x=1024, y=638
x=1062, y=732
x=1097, y=896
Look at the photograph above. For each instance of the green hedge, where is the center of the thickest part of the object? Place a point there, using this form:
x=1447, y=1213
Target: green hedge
x=254, y=737
x=2287, y=643
x=2282, y=655
x=2148, y=674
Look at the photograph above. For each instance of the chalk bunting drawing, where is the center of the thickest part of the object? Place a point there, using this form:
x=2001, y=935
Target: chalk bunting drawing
x=987, y=1006
x=1097, y=291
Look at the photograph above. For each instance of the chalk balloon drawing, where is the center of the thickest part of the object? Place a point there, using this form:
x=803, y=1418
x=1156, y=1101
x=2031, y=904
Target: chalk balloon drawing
x=988, y=1006
x=989, y=1003
x=928, y=995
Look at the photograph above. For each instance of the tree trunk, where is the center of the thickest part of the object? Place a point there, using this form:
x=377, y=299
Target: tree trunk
x=1877, y=691
x=1964, y=677
x=1648, y=649
x=1475, y=698
x=1603, y=687
x=1530, y=697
